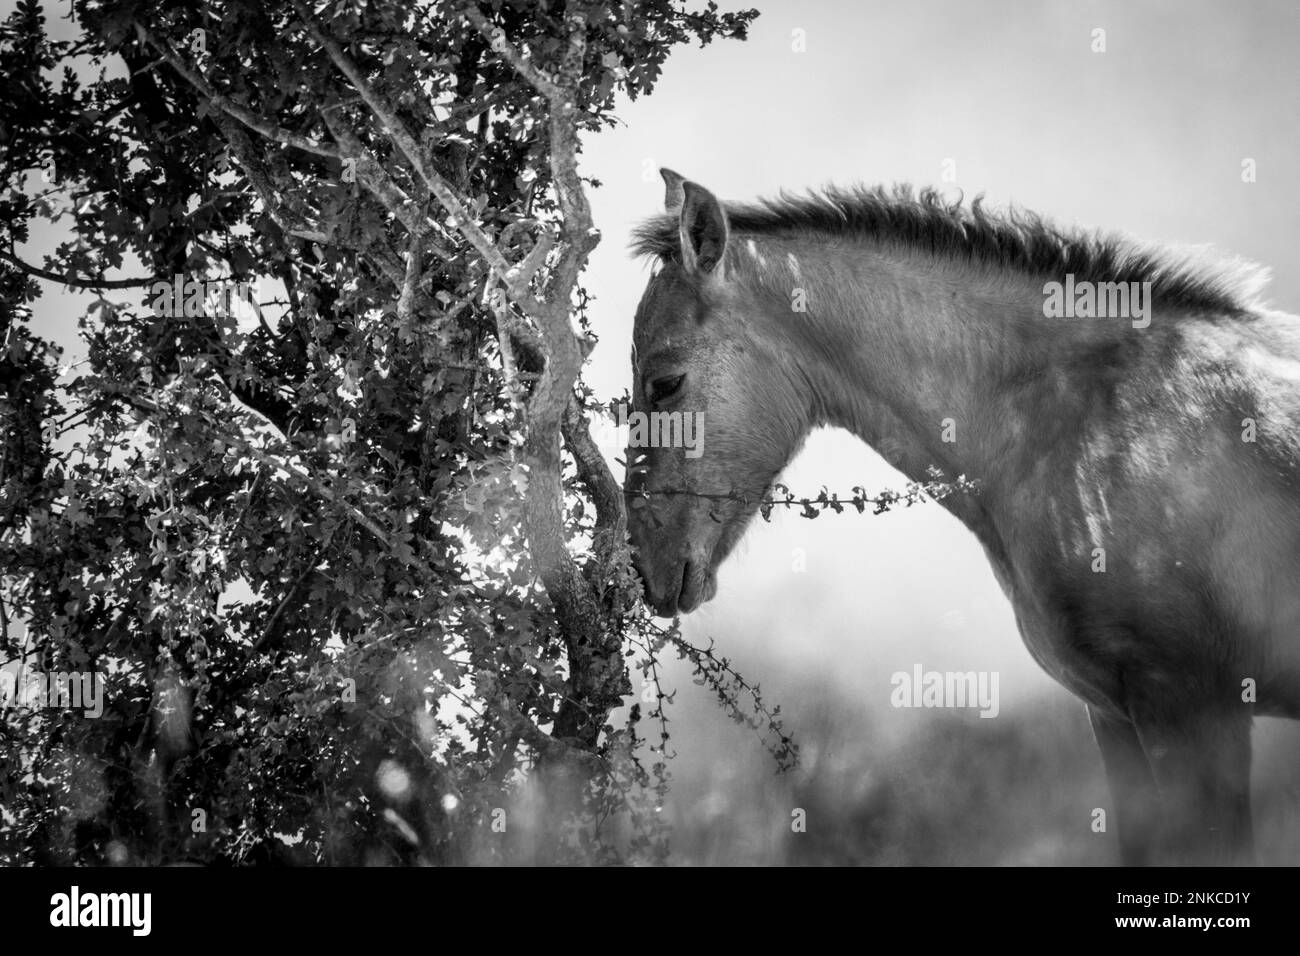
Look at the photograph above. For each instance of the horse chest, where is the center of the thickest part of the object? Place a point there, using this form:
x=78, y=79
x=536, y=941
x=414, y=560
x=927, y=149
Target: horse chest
x=1053, y=636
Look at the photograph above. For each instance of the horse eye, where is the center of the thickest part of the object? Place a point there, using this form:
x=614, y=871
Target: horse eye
x=665, y=387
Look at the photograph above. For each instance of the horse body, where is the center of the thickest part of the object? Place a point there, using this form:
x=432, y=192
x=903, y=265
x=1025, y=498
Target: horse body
x=1193, y=624
x=1150, y=544
x=1139, y=481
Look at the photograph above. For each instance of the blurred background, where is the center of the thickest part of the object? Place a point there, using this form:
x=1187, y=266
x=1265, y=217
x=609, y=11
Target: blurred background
x=1011, y=100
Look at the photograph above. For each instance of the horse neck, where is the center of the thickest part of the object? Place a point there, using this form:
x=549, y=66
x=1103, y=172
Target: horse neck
x=931, y=361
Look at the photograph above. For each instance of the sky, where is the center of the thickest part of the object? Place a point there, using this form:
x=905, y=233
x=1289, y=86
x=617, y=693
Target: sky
x=1013, y=100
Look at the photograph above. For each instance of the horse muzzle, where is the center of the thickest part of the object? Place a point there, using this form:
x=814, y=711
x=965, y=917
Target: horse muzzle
x=679, y=587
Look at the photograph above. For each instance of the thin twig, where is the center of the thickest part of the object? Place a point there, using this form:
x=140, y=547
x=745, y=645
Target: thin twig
x=77, y=282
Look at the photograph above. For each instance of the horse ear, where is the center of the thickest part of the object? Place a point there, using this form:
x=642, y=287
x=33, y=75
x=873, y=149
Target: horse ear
x=673, y=193
x=703, y=230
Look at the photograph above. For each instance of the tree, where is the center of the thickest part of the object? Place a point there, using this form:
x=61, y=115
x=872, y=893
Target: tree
x=320, y=511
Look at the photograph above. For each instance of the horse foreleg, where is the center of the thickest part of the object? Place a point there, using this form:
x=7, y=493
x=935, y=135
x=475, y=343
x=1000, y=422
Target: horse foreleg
x=1201, y=762
x=1132, y=786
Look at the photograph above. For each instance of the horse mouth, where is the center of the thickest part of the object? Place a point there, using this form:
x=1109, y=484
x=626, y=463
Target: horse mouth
x=699, y=584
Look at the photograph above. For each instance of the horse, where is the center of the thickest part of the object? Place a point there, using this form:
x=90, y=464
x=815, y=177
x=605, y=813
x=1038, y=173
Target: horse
x=1129, y=415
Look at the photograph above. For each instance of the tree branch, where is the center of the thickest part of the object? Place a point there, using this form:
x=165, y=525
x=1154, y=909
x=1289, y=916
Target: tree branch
x=406, y=301
x=378, y=183
x=77, y=282
x=525, y=67
x=395, y=129
x=593, y=472
x=228, y=106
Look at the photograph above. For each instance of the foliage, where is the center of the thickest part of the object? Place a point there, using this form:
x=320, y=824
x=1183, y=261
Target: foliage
x=342, y=583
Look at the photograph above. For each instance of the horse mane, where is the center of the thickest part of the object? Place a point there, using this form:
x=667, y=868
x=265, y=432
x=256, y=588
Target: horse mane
x=1016, y=239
